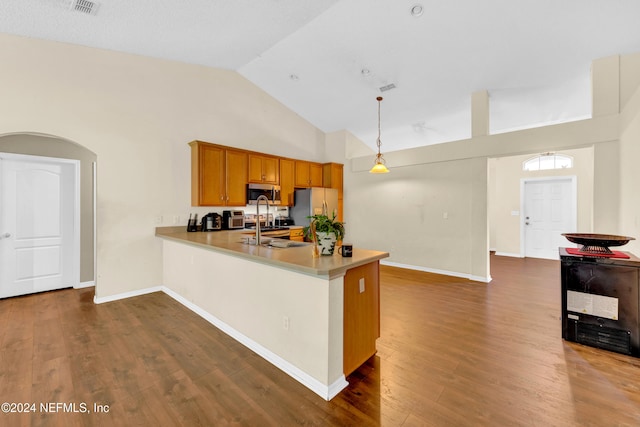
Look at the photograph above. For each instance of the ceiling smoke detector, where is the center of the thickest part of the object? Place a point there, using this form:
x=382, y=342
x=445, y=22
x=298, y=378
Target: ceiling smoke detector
x=85, y=6
x=387, y=87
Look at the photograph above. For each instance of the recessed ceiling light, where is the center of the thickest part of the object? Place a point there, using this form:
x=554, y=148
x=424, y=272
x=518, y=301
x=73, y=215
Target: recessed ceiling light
x=365, y=72
x=417, y=10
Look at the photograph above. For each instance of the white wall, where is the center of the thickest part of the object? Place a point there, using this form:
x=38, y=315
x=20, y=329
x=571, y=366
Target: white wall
x=137, y=115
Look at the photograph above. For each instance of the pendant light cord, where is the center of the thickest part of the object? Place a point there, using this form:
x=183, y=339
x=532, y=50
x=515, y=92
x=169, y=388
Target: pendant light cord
x=378, y=142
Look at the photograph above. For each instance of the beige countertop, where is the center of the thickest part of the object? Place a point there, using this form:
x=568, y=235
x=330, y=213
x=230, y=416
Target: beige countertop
x=299, y=259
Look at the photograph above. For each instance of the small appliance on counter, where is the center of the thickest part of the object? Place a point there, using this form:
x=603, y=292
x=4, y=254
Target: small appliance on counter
x=211, y=222
x=232, y=220
x=192, y=224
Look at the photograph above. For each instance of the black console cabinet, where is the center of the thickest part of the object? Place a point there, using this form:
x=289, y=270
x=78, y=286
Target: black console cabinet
x=601, y=302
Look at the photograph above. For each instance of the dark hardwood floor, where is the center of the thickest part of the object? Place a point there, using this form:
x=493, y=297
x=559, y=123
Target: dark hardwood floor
x=452, y=353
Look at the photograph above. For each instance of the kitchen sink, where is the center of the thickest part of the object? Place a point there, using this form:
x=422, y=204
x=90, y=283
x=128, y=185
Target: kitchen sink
x=284, y=243
x=275, y=243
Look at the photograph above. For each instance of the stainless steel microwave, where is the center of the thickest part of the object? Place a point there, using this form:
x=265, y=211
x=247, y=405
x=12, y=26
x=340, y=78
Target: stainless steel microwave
x=271, y=192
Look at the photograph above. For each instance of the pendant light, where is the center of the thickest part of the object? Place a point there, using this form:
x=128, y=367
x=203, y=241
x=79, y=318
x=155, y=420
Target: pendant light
x=379, y=167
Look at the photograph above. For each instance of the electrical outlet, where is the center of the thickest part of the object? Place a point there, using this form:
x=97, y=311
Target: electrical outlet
x=445, y=215
x=361, y=283
x=176, y=219
x=285, y=323
x=159, y=220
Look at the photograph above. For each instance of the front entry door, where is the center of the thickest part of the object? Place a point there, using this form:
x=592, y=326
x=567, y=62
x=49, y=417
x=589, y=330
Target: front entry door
x=549, y=210
x=39, y=224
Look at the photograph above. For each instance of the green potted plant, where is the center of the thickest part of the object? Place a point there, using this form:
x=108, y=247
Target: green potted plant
x=324, y=232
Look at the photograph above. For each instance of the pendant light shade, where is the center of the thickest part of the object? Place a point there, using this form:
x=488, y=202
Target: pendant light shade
x=379, y=166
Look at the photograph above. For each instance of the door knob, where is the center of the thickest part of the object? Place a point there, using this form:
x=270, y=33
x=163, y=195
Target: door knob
x=526, y=223
x=5, y=236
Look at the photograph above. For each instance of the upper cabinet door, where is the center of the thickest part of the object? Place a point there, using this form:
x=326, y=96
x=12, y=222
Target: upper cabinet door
x=264, y=169
x=302, y=174
x=315, y=174
x=236, y=163
x=287, y=172
x=207, y=174
x=308, y=174
x=271, y=170
x=218, y=175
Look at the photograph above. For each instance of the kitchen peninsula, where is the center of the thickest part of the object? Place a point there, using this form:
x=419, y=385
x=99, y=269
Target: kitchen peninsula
x=315, y=318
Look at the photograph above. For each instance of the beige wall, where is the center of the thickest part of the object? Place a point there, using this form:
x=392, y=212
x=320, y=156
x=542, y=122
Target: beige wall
x=428, y=215
x=447, y=167
x=506, y=198
x=630, y=172
x=237, y=297
x=137, y=115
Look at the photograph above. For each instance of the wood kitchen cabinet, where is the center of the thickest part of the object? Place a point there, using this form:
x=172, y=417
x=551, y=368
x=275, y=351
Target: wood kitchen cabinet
x=287, y=176
x=264, y=169
x=218, y=175
x=236, y=178
x=296, y=234
x=308, y=174
x=332, y=178
x=361, y=315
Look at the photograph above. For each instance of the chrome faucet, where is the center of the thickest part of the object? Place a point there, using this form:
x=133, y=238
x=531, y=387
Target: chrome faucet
x=258, y=237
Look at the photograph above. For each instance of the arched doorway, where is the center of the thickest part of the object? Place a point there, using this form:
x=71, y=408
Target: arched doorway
x=57, y=147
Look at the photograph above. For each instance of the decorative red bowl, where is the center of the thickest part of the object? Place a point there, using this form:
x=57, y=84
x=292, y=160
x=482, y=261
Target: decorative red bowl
x=597, y=243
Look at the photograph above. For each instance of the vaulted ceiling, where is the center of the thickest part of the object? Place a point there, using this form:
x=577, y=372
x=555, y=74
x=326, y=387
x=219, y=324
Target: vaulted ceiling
x=328, y=59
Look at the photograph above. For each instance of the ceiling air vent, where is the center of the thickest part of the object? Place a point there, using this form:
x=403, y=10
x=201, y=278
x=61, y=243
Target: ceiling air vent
x=387, y=87
x=85, y=6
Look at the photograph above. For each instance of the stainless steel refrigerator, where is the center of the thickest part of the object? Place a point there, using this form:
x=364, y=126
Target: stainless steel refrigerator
x=313, y=201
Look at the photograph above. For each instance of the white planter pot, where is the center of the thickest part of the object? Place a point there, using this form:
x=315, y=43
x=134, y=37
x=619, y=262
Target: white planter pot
x=326, y=242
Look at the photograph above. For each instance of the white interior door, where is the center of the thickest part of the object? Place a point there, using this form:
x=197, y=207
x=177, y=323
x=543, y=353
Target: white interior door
x=549, y=210
x=39, y=224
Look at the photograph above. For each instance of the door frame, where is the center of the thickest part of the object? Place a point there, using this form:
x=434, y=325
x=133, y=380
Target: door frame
x=75, y=199
x=574, y=203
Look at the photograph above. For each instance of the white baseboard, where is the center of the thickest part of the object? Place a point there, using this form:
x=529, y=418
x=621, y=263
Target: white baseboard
x=327, y=392
x=436, y=271
x=509, y=254
x=85, y=285
x=126, y=295
x=322, y=390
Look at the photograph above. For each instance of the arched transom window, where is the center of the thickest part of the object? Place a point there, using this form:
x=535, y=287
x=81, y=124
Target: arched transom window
x=548, y=161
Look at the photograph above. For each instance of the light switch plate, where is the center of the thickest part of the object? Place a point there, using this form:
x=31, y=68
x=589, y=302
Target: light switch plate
x=361, y=282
